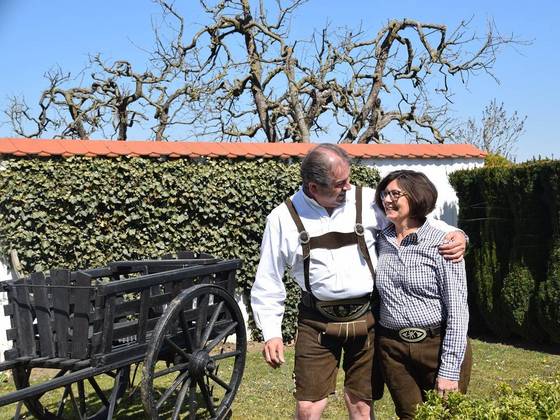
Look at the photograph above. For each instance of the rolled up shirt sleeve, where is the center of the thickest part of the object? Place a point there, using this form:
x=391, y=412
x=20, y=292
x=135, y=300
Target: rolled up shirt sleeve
x=454, y=297
x=268, y=292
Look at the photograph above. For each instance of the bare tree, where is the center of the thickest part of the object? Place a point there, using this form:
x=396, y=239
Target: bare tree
x=241, y=76
x=496, y=132
x=71, y=112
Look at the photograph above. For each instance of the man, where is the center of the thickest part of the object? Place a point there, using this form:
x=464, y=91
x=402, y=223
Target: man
x=322, y=235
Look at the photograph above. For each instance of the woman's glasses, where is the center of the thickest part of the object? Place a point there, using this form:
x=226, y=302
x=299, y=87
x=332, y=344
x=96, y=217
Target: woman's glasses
x=394, y=195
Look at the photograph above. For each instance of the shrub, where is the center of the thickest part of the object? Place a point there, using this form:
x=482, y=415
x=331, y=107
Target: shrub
x=487, y=278
x=518, y=289
x=512, y=215
x=549, y=298
x=538, y=399
x=496, y=160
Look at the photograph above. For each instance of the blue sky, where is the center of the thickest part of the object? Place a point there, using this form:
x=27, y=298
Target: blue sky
x=36, y=35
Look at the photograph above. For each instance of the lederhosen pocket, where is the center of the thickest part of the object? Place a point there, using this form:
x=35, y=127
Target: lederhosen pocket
x=344, y=331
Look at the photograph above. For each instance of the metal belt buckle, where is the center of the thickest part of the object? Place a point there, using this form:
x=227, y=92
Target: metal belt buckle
x=342, y=312
x=412, y=335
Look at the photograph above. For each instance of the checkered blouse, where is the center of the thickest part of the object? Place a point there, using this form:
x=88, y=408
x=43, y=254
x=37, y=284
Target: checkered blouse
x=419, y=288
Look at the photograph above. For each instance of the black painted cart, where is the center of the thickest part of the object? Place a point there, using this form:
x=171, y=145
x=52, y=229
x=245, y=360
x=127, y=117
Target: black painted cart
x=176, y=318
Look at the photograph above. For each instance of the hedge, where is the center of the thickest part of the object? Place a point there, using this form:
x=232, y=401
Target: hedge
x=82, y=212
x=512, y=216
x=538, y=399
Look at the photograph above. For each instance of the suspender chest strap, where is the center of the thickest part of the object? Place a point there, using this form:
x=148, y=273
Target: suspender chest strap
x=359, y=230
x=304, y=240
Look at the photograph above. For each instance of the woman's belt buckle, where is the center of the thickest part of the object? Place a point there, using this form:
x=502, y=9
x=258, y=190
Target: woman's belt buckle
x=412, y=334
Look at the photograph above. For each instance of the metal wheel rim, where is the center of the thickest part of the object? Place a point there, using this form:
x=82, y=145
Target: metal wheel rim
x=183, y=386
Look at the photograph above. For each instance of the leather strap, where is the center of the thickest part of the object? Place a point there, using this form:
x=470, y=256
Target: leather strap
x=333, y=240
x=362, y=246
x=395, y=334
x=304, y=240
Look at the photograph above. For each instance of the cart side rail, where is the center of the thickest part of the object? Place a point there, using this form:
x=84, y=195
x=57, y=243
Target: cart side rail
x=126, y=326
x=49, y=316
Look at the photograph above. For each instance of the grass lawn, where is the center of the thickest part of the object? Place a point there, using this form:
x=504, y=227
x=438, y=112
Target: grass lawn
x=267, y=393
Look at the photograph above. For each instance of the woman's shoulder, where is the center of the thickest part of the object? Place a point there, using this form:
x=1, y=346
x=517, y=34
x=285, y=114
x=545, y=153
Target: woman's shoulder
x=431, y=233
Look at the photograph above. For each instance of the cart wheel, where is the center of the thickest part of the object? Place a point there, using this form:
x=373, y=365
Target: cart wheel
x=88, y=399
x=195, y=360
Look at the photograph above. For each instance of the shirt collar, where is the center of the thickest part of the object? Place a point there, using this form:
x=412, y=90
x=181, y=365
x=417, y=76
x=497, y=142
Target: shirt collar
x=308, y=200
x=423, y=230
x=390, y=231
x=412, y=238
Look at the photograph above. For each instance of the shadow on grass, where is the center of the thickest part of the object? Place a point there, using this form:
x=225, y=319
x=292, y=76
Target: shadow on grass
x=130, y=407
x=488, y=337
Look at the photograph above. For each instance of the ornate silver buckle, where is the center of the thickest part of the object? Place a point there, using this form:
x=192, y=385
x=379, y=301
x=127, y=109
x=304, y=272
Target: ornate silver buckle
x=413, y=335
x=343, y=310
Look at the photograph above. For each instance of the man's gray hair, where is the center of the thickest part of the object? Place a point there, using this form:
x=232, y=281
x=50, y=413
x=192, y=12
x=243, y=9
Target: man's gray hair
x=317, y=167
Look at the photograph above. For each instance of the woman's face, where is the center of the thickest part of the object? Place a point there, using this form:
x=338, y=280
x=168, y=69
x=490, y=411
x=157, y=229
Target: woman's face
x=395, y=202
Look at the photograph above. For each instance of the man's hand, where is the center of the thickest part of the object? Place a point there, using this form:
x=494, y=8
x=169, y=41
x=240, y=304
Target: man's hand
x=445, y=386
x=454, y=245
x=273, y=352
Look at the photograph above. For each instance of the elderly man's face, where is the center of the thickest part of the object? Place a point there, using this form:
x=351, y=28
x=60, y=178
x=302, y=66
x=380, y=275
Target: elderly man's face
x=333, y=195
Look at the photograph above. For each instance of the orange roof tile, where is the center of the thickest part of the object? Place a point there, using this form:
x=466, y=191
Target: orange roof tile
x=7, y=148
x=111, y=148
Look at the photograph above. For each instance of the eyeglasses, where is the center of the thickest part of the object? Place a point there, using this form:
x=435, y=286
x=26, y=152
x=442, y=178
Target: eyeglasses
x=394, y=195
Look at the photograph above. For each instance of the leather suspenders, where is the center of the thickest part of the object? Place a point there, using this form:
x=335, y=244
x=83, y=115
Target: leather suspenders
x=359, y=230
x=331, y=240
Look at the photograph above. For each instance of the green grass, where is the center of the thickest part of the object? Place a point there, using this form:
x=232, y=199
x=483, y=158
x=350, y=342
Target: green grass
x=267, y=394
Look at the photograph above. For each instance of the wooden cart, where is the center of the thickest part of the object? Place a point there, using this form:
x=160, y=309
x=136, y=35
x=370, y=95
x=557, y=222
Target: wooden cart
x=174, y=318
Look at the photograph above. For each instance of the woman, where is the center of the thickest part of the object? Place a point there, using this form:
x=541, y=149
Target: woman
x=423, y=320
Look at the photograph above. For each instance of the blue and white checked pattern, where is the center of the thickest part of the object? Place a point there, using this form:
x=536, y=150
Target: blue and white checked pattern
x=419, y=288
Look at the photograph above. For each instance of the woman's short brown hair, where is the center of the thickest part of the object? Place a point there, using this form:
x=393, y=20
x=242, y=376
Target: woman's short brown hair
x=420, y=191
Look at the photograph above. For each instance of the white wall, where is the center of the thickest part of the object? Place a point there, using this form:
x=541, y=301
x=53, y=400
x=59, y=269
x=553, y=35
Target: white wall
x=437, y=170
x=5, y=274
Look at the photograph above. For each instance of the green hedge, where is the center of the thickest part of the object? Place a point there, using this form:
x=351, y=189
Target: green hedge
x=538, y=399
x=512, y=216
x=82, y=212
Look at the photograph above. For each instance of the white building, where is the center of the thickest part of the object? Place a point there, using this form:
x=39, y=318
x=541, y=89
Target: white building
x=438, y=171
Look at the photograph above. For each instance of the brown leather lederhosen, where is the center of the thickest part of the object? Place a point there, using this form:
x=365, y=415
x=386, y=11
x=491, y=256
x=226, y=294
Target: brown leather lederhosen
x=330, y=240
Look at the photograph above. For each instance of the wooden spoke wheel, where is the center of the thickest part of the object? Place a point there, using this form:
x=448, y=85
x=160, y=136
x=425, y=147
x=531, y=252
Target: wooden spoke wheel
x=90, y=399
x=195, y=360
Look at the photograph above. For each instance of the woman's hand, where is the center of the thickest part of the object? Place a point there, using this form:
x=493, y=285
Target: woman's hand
x=445, y=386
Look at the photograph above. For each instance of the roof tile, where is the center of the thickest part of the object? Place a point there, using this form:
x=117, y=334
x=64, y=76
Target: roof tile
x=119, y=148
x=7, y=147
x=73, y=147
